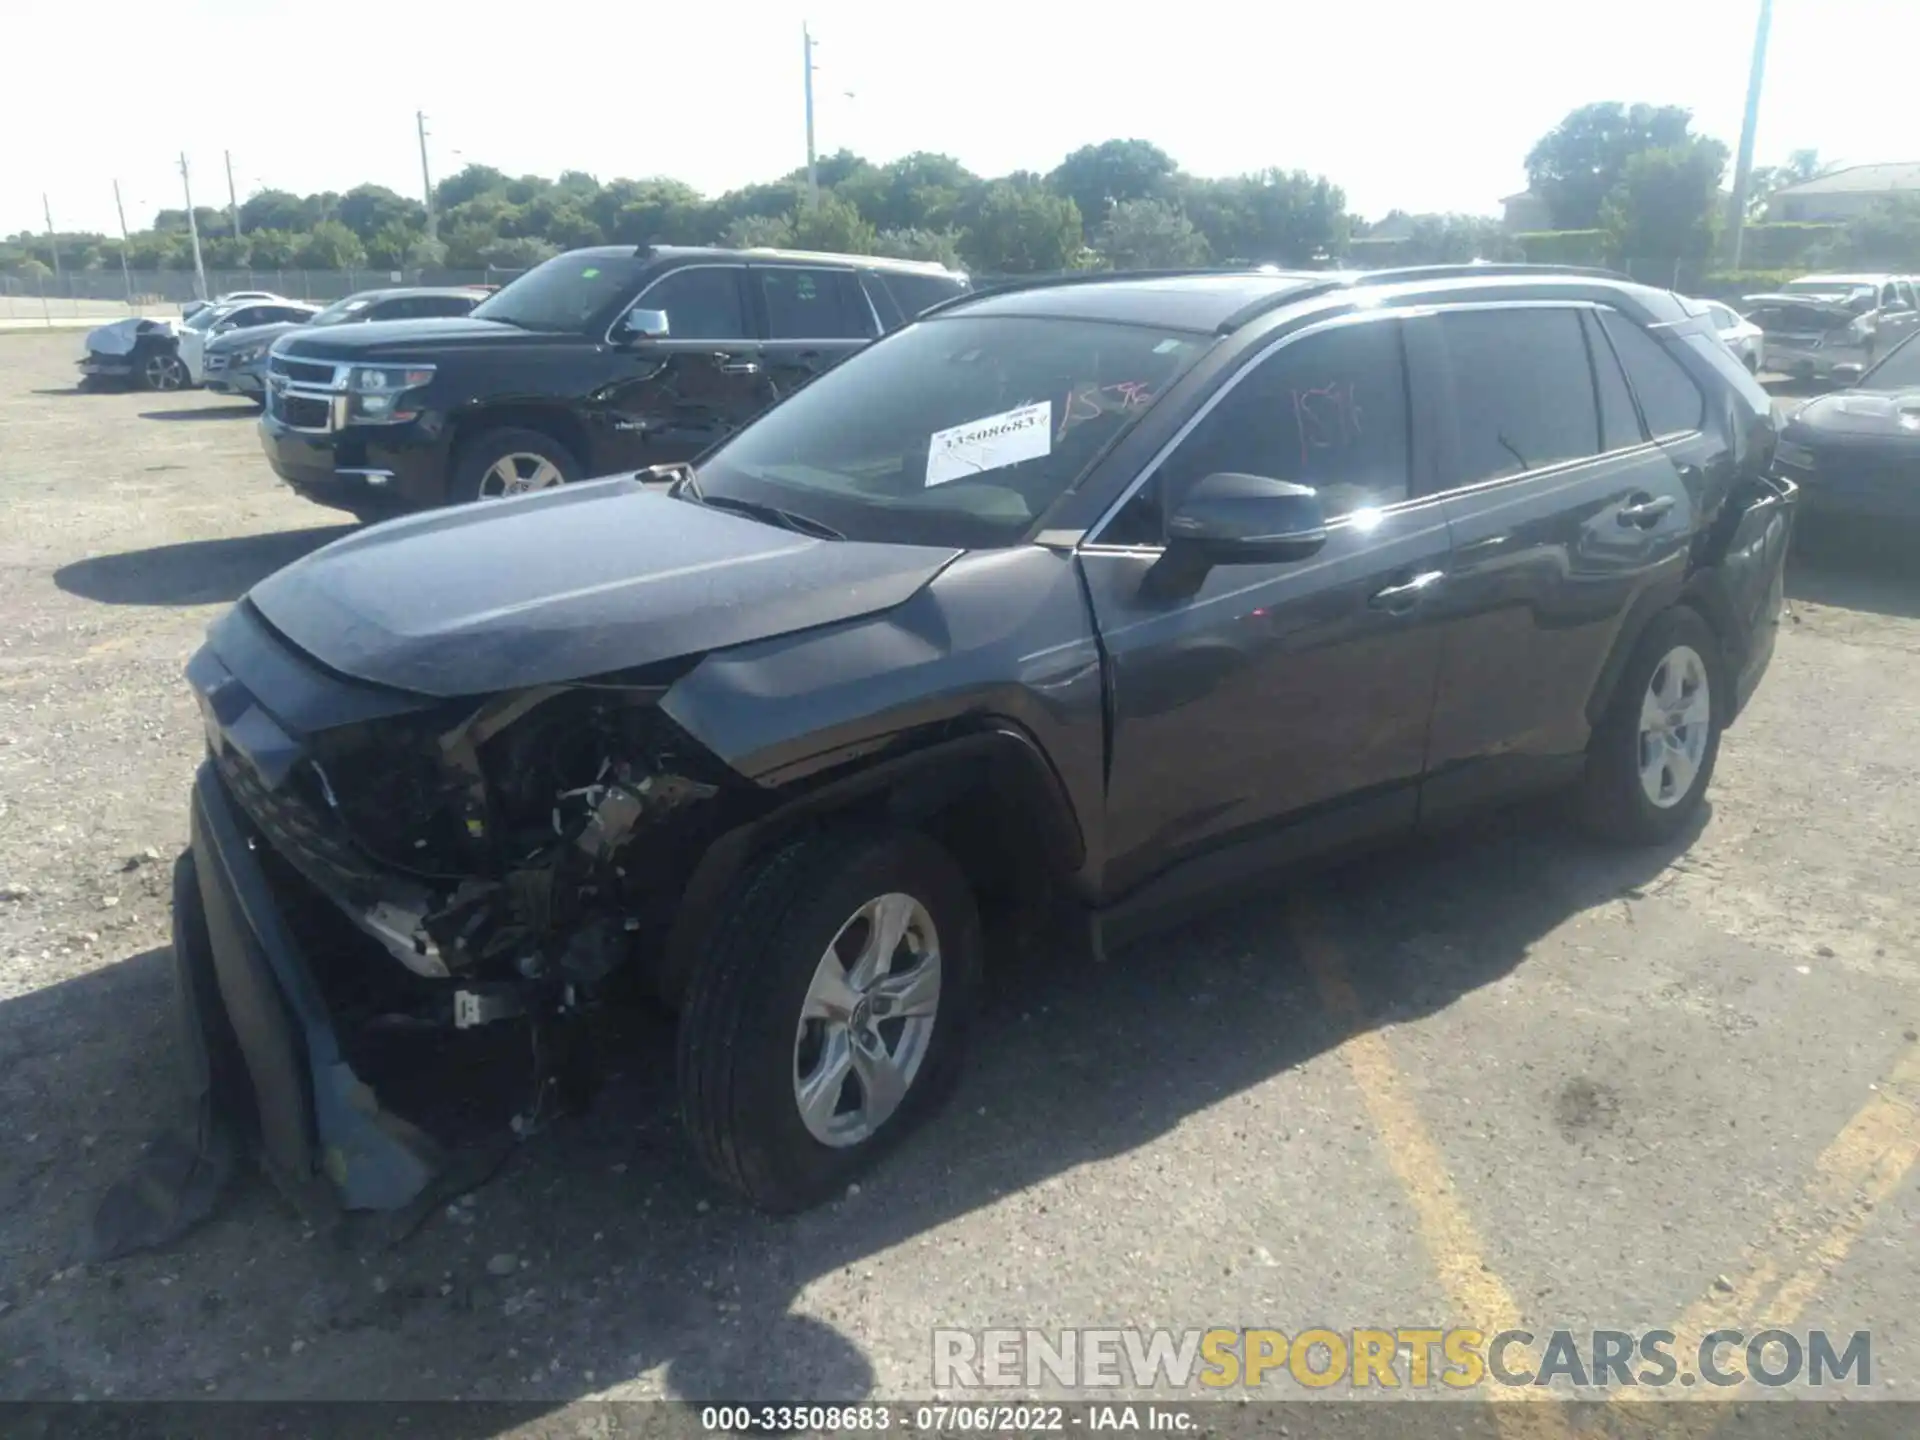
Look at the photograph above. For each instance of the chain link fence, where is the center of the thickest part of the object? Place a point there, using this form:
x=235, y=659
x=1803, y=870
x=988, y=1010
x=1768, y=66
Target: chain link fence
x=104, y=295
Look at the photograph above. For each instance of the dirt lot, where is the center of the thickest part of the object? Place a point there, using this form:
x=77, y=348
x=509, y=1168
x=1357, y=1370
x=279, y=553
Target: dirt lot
x=1504, y=1077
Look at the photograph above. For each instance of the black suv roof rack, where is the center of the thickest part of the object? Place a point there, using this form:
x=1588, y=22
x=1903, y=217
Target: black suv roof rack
x=1354, y=279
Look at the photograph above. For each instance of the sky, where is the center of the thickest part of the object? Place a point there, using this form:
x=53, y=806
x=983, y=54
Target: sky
x=1406, y=105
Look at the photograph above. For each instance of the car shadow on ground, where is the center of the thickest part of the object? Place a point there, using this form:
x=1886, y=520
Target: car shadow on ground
x=240, y=410
x=1856, y=567
x=629, y=1262
x=194, y=572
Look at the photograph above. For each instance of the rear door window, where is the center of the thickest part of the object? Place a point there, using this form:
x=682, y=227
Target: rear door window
x=1669, y=398
x=1523, y=391
x=807, y=304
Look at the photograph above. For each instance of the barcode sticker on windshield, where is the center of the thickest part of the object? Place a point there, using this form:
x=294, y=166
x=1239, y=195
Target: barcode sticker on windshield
x=991, y=443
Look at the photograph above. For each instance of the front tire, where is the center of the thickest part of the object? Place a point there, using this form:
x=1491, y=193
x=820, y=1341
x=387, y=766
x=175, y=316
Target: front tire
x=161, y=371
x=1652, y=756
x=510, y=461
x=829, y=1013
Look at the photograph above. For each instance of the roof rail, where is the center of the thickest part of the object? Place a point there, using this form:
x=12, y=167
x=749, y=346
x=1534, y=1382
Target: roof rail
x=1350, y=279
x=1089, y=277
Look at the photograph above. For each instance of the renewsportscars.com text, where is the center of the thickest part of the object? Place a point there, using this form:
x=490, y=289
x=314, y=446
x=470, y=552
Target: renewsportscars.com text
x=1404, y=1358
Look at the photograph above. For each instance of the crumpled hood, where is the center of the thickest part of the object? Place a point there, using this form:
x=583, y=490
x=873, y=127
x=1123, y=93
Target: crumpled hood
x=569, y=583
x=1862, y=412
x=120, y=337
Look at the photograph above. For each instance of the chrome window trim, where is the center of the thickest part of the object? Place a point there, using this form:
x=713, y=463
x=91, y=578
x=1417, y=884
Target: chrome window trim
x=647, y=289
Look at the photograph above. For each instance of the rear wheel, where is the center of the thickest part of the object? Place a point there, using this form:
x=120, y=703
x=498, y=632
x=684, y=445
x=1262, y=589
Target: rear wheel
x=510, y=461
x=1652, y=757
x=829, y=1012
x=160, y=370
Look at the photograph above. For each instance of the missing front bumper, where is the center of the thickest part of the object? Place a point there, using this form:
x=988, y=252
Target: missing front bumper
x=249, y=992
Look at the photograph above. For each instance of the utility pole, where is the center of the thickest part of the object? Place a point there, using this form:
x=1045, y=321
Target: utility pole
x=193, y=229
x=53, y=240
x=813, y=178
x=233, y=203
x=1743, y=166
x=126, y=270
x=426, y=179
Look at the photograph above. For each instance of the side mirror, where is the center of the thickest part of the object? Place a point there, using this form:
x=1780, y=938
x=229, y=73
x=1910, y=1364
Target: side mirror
x=1230, y=519
x=1846, y=375
x=645, y=325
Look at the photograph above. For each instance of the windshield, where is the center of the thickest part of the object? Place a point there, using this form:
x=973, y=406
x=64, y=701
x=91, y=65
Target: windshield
x=1900, y=370
x=565, y=293
x=204, y=319
x=960, y=431
x=341, y=310
x=1846, y=291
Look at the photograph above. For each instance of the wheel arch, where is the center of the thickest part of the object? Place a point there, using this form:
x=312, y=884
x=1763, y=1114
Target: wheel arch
x=991, y=796
x=556, y=422
x=1699, y=594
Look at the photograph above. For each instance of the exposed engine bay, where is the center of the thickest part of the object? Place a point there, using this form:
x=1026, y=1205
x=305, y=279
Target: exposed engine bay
x=538, y=841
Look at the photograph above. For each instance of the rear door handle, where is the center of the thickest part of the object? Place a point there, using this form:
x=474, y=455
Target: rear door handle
x=1398, y=599
x=730, y=366
x=1645, y=511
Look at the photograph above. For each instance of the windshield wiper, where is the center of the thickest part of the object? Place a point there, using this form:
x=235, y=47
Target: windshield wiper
x=756, y=510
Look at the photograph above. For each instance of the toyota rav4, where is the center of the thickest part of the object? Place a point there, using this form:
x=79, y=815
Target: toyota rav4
x=1096, y=598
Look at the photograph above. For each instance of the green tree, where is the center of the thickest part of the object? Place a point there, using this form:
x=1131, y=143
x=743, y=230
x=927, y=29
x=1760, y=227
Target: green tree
x=157, y=250
x=389, y=246
x=921, y=191
x=271, y=249
x=29, y=268
x=463, y=185
x=1096, y=177
x=225, y=252
x=521, y=252
x=1576, y=166
x=833, y=225
x=367, y=209
x=1801, y=166
x=206, y=217
x=425, y=254
x=1150, y=234
x=754, y=232
x=652, y=212
x=1021, y=229
x=940, y=246
x=1666, y=204
x=272, y=210
x=330, y=245
x=1274, y=217
x=1888, y=234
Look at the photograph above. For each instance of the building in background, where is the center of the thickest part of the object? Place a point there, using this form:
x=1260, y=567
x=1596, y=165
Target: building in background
x=1844, y=195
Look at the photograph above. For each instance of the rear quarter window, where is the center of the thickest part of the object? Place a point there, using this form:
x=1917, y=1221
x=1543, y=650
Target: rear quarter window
x=913, y=294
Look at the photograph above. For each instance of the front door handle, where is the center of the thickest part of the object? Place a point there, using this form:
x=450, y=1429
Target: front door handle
x=730, y=366
x=1398, y=599
x=1645, y=510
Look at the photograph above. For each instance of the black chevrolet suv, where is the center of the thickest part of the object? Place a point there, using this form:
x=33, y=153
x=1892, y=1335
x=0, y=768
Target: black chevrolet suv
x=598, y=361
x=1092, y=599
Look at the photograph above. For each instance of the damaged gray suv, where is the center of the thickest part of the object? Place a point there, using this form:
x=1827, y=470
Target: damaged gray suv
x=1094, y=598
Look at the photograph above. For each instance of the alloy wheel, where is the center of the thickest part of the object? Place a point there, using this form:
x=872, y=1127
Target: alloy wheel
x=519, y=473
x=1676, y=715
x=867, y=1020
x=164, y=372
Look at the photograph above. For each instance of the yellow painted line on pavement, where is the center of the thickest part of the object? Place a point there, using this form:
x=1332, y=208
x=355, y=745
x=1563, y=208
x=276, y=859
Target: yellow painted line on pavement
x=1479, y=1297
x=1807, y=1238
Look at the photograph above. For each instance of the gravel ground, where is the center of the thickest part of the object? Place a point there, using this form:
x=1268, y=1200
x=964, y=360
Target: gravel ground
x=1499, y=1076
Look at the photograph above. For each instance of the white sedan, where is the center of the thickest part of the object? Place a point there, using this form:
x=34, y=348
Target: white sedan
x=1739, y=334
